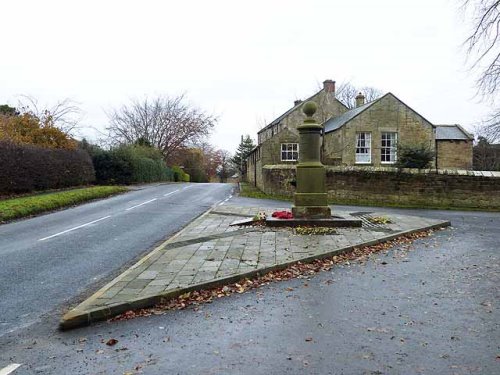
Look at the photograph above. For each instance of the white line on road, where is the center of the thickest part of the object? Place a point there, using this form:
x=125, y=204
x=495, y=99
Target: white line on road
x=225, y=200
x=9, y=369
x=187, y=187
x=172, y=192
x=143, y=203
x=69, y=230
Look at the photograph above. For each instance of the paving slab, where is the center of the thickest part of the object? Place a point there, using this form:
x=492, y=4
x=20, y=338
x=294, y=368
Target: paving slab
x=211, y=252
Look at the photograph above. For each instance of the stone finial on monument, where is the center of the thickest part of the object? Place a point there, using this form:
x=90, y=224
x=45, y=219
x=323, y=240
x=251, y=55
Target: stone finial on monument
x=310, y=199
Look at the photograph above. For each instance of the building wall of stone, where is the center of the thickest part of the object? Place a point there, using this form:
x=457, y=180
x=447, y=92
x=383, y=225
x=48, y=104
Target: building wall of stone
x=328, y=106
x=251, y=170
x=387, y=115
x=332, y=149
x=454, y=154
x=271, y=148
x=390, y=186
x=258, y=176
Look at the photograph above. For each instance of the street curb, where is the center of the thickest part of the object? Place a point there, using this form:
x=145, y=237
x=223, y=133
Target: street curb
x=78, y=318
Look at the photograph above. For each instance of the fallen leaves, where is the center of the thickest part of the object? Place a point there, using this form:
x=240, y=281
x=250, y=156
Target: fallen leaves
x=111, y=342
x=309, y=231
x=297, y=270
x=379, y=220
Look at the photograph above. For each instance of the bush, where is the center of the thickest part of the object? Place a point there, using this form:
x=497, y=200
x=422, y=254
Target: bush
x=180, y=175
x=130, y=164
x=25, y=168
x=415, y=157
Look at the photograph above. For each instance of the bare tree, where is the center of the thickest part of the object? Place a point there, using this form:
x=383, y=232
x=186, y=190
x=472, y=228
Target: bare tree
x=486, y=156
x=168, y=123
x=483, y=53
x=483, y=44
x=347, y=92
x=64, y=114
x=225, y=168
x=490, y=128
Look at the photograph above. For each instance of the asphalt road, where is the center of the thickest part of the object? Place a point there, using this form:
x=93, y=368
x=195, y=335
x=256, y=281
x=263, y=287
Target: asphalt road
x=48, y=261
x=431, y=309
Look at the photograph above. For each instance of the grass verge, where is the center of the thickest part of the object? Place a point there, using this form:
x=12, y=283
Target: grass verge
x=249, y=191
x=16, y=208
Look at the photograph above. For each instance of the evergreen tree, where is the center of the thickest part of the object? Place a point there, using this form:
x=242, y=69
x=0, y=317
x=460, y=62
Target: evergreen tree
x=7, y=110
x=240, y=157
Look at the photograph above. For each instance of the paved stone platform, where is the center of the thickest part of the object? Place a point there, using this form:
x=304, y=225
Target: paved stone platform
x=210, y=252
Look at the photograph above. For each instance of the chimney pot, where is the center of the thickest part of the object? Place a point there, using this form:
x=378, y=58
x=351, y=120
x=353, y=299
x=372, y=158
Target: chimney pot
x=360, y=100
x=329, y=86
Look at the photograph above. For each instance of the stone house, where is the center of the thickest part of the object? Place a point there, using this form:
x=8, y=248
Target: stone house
x=367, y=135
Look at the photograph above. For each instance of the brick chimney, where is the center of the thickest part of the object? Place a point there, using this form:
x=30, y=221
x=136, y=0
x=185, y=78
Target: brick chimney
x=360, y=100
x=329, y=86
x=297, y=102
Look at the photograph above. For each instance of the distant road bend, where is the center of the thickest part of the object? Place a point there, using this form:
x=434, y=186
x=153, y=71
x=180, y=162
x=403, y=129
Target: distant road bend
x=49, y=260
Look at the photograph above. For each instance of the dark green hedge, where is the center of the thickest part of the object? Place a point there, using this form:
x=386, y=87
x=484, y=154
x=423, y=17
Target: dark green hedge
x=26, y=168
x=130, y=164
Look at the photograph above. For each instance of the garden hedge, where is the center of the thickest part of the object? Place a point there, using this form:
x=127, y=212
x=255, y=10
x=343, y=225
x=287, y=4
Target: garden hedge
x=26, y=168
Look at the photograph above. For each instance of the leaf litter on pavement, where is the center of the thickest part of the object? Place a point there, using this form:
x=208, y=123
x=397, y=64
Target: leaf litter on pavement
x=296, y=270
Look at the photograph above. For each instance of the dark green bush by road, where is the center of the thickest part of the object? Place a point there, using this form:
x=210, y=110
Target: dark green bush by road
x=27, y=168
x=130, y=164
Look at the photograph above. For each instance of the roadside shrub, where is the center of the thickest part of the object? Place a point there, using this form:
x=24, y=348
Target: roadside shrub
x=111, y=168
x=180, y=175
x=26, y=168
x=420, y=156
x=130, y=164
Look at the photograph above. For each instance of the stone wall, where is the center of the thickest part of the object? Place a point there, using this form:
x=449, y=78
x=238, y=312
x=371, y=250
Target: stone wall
x=388, y=186
x=454, y=154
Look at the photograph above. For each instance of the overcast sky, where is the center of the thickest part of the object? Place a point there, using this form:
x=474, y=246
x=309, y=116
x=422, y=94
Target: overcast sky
x=246, y=61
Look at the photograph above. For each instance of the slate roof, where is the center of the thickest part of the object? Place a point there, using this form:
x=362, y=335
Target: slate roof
x=278, y=120
x=337, y=122
x=452, y=132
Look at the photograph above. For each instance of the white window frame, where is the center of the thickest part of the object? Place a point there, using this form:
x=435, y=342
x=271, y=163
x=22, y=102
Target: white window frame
x=290, y=151
x=363, y=152
x=388, y=147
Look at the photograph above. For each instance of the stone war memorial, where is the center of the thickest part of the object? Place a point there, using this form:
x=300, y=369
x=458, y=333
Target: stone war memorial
x=311, y=199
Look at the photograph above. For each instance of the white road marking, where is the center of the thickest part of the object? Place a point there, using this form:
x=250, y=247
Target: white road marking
x=9, y=369
x=72, y=229
x=172, y=192
x=225, y=200
x=187, y=187
x=141, y=204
